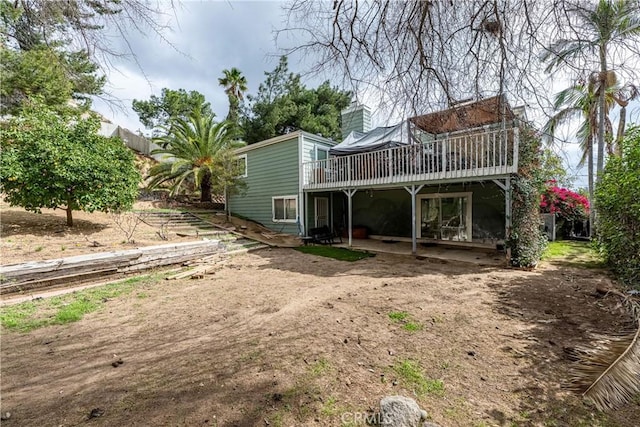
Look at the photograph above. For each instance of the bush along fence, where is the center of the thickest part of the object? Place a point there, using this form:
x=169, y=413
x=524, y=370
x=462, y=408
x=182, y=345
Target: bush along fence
x=618, y=208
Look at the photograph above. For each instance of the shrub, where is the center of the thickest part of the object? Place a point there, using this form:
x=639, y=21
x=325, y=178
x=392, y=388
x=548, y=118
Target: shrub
x=618, y=207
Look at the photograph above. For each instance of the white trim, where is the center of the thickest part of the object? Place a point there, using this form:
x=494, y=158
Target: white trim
x=273, y=209
x=285, y=137
x=468, y=214
x=246, y=165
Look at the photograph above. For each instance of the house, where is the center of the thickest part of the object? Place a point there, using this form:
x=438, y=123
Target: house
x=274, y=195
x=443, y=177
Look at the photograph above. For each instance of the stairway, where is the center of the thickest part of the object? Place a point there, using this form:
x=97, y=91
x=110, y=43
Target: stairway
x=189, y=224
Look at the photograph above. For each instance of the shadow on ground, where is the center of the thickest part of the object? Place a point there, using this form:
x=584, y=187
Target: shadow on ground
x=563, y=310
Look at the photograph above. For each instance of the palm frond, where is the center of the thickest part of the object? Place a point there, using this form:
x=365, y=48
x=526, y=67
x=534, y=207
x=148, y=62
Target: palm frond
x=609, y=373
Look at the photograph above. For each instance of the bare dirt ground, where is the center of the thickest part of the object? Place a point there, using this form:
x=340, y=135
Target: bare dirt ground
x=280, y=338
x=28, y=236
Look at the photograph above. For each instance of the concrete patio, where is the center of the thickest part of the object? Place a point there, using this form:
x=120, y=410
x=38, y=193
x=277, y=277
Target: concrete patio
x=478, y=256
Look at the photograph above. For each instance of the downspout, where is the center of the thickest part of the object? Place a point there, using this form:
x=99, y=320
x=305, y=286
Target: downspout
x=301, y=194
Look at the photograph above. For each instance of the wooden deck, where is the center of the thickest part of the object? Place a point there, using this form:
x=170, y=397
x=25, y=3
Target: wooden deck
x=489, y=153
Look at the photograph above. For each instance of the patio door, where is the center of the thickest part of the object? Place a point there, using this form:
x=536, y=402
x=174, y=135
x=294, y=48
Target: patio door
x=445, y=216
x=321, y=211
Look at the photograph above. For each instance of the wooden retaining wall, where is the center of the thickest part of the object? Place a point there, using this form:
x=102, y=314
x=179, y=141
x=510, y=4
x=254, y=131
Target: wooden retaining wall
x=17, y=277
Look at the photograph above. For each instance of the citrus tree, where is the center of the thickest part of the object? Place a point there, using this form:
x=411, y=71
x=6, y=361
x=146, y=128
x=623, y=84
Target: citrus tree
x=55, y=161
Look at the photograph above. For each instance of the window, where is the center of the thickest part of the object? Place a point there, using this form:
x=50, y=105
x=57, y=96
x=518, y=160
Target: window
x=322, y=153
x=285, y=208
x=241, y=163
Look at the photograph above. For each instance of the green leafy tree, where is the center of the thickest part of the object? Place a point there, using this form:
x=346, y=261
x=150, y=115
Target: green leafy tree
x=37, y=58
x=54, y=161
x=601, y=28
x=52, y=75
x=198, y=150
x=552, y=168
x=158, y=113
x=283, y=104
x=235, y=85
x=619, y=210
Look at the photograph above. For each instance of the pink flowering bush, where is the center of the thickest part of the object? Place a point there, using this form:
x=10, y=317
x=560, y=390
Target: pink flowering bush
x=566, y=204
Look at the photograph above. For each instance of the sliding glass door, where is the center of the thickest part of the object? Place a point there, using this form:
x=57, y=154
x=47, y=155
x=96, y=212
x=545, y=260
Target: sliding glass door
x=445, y=216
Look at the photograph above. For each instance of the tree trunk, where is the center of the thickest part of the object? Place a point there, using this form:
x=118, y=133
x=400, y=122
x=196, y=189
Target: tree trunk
x=226, y=203
x=620, y=134
x=601, y=110
x=69, y=217
x=205, y=188
x=591, y=189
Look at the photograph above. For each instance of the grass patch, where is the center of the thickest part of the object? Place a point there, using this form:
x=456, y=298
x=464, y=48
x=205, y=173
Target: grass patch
x=341, y=254
x=405, y=318
x=411, y=374
x=320, y=367
x=60, y=310
x=580, y=254
x=412, y=326
x=330, y=408
x=398, y=316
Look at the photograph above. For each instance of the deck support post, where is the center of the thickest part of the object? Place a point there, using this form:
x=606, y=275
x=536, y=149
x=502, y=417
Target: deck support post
x=305, y=215
x=414, y=240
x=350, y=192
x=507, y=208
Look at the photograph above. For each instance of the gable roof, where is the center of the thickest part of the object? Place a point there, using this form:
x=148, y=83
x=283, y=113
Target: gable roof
x=281, y=138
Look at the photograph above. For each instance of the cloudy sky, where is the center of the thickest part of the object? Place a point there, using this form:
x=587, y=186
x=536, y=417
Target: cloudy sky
x=206, y=38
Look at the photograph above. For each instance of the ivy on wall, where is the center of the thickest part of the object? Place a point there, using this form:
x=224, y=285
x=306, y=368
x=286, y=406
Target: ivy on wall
x=526, y=239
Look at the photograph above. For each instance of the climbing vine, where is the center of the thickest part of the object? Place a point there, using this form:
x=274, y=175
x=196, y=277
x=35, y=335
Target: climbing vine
x=526, y=240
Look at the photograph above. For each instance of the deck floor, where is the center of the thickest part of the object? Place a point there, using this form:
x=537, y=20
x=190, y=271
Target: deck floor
x=471, y=255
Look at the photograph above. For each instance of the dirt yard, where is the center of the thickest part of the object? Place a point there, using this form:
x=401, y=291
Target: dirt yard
x=280, y=338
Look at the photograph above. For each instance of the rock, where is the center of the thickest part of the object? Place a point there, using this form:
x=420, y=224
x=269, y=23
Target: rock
x=96, y=412
x=400, y=411
x=5, y=416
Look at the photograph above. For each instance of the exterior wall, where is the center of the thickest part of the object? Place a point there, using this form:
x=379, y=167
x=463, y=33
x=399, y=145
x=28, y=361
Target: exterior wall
x=388, y=212
x=272, y=170
x=310, y=144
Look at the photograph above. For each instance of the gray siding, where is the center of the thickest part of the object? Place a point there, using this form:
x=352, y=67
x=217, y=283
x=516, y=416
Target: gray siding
x=271, y=171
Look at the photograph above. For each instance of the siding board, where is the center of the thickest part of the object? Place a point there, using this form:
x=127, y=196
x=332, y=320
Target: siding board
x=272, y=171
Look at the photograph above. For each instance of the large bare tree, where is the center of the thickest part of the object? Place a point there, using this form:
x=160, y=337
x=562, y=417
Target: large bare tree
x=427, y=54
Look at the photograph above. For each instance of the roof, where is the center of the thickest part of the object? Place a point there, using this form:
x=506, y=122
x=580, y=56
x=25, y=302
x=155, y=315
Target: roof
x=466, y=116
x=280, y=138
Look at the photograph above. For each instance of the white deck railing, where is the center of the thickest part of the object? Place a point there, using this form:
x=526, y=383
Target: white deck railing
x=483, y=154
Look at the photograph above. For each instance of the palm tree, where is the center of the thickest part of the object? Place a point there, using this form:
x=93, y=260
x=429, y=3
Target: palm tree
x=609, y=23
x=578, y=101
x=235, y=84
x=196, y=150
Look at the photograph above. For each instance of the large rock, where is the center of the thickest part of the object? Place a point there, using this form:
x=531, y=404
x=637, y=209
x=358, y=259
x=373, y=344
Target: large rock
x=400, y=411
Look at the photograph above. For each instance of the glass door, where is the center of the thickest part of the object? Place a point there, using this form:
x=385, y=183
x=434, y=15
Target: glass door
x=446, y=218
